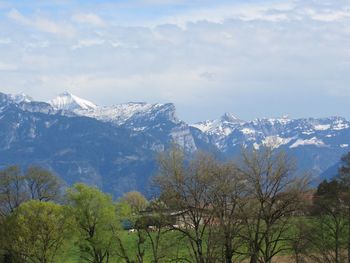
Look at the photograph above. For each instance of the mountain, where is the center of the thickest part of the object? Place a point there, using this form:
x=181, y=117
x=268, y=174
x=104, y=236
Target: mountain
x=115, y=151
x=317, y=144
x=116, y=147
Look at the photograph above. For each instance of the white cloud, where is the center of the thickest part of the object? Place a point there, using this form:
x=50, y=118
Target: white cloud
x=42, y=24
x=7, y=67
x=269, y=11
x=328, y=15
x=253, y=59
x=5, y=41
x=238, y=11
x=88, y=18
x=88, y=43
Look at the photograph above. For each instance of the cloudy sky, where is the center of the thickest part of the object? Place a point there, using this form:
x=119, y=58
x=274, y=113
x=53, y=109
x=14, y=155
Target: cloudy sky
x=253, y=58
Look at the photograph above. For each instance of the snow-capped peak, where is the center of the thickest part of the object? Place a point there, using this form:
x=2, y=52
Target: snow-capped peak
x=21, y=97
x=229, y=117
x=68, y=101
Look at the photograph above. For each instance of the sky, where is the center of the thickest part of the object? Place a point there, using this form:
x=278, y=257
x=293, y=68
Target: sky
x=252, y=58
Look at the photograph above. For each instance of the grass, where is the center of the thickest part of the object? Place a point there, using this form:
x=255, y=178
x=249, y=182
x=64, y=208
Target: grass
x=172, y=244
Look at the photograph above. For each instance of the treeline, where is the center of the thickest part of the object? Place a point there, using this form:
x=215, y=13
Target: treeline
x=256, y=209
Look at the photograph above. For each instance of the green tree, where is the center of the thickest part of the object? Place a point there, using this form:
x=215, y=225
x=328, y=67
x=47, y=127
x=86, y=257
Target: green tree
x=37, y=232
x=126, y=216
x=96, y=221
x=16, y=188
x=135, y=200
x=329, y=227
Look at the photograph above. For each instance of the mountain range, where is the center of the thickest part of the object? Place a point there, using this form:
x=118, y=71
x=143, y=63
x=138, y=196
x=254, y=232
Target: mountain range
x=116, y=147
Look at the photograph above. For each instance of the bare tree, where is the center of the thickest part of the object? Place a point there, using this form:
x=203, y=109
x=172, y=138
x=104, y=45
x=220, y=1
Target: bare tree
x=36, y=184
x=274, y=196
x=227, y=199
x=185, y=189
x=43, y=185
x=12, y=189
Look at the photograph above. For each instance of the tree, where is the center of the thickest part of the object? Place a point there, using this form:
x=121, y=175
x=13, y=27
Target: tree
x=37, y=232
x=301, y=238
x=135, y=200
x=344, y=176
x=36, y=184
x=43, y=185
x=227, y=199
x=329, y=224
x=184, y=190
x=344, y=170
x=126, y=216
x=153, y=227
x=274, y=196
x=16, y=188
x=150, y=228
x=12, y=190
x=96, y=221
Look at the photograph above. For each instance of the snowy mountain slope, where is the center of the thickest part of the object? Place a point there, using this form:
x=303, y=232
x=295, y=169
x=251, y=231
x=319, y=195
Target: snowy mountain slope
x=115, y=147
x=276, y=132
x=316, y=143
x=118, y=114
x=139, y=117
x=117, y=156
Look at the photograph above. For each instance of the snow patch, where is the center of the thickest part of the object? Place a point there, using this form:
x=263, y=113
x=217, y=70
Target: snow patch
x=248, y=131
x=256, y=146
x=340, y=125
x=121, y=113
x=307, y=132
x=229, y=117
x=321, y=127
x=284, y=120
x=205, y=126
x=18, y=98
x=139, y=129
x=313, y=141
x=275, y=141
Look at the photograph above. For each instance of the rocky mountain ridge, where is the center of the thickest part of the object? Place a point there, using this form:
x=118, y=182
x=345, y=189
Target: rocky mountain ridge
x=115, y=147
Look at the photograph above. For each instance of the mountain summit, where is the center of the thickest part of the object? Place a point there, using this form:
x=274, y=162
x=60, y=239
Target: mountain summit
x=69, y=102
